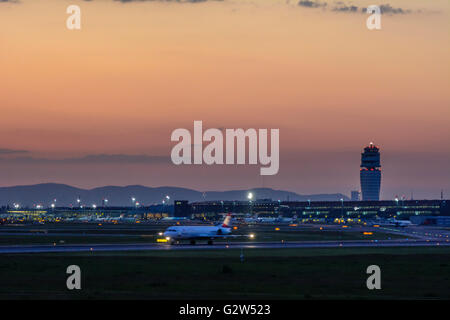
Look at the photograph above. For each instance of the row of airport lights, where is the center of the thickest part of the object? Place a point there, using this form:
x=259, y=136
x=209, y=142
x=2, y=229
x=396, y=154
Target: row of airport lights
x=94, y=206
x=135, y=202
x=105, y=202
x=38, y=206
x=164, y=201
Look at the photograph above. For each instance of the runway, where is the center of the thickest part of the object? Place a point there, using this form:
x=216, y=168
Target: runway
x=219, y=246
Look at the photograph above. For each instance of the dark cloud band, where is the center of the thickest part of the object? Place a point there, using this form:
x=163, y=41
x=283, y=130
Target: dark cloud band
x=11, y=151
x=350, y=8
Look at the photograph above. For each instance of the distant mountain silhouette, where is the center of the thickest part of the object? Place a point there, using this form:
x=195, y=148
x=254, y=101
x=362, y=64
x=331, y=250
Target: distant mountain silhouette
x=44, y=194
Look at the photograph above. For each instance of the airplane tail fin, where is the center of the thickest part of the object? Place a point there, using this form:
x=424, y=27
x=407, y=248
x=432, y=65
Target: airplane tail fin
x=227, y=222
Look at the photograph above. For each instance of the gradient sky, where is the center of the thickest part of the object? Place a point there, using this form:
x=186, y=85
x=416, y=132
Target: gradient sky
x=138, y=70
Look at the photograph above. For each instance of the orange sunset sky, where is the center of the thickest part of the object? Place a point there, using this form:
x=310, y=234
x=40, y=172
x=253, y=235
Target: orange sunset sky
x=97, y=106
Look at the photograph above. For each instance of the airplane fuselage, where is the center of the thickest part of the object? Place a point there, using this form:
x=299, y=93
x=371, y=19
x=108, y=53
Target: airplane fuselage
x=196, y=232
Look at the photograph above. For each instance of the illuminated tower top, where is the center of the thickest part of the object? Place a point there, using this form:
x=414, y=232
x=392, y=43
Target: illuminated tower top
x=370, y=158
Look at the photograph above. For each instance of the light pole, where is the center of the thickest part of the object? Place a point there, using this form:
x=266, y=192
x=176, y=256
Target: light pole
x=250, y=197
x=396, y=204
x=166, y=200
x=133, y=203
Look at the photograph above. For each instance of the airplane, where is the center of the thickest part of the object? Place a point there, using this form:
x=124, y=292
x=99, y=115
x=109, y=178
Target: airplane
x=400, y=223
x=85, y=219
x=192, y=233
x=287, y=220
x=174, y=218
x=249, y=219
x=267, y=219
x=279, y=219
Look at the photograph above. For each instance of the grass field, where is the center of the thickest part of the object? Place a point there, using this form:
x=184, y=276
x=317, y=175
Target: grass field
x=407, y=273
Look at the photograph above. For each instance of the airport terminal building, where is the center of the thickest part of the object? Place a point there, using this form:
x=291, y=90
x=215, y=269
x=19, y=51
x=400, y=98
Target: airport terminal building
x=425, y=211
x=401, y=209
x=370, y=173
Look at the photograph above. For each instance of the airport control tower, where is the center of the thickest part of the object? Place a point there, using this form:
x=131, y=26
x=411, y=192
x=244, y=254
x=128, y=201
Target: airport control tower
x=370, y=173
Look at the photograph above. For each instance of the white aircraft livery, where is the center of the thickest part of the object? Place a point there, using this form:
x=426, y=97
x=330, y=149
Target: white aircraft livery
x=400, y=223
x=192, y=233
